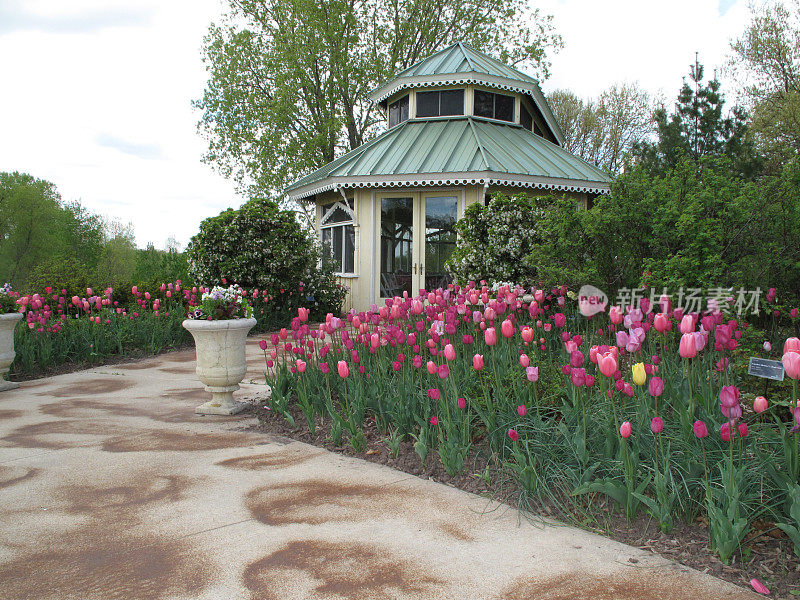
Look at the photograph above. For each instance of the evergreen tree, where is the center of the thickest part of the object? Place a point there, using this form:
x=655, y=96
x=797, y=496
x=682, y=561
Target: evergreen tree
x=698, y=128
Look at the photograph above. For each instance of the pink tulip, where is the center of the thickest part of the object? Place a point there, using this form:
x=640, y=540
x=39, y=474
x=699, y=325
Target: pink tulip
x=527, y=334
x=725, y=432
x=657, y=425
x=524, y=361
x=262, y=344
x=302, y=313
x=431, y=366
x=490, y=336
x=301, y=365
x=767, y=347
x=512, y=433
x=507, y=329
x=416, y=307
x=449, y=352
x=615, y=314
x=462, y=403
x=443, y=371
x=759, y=587
x=760, y=404
x=344, y=369
x=607, y=363
x=477, y=362
x=522, y=410
x=434, y=421
x=700, y=340
x=625, y=430
x=792, y=344
x=532, y=373
x=559, y=320
x=791, y=363
x=687, y=347
x=661, y=322
x=687, y=324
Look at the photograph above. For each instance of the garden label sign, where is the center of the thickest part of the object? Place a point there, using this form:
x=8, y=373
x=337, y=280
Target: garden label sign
x=768, y=369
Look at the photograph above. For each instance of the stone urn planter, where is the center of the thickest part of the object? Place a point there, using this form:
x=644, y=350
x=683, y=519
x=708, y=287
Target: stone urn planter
x=221, y=363
x=8, y=322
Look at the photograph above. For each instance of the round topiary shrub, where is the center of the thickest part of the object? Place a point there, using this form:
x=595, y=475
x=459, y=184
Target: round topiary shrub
x=260, y=246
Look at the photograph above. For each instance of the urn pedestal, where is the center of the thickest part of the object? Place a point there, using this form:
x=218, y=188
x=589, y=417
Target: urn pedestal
x=8, y=322
x=221, y=364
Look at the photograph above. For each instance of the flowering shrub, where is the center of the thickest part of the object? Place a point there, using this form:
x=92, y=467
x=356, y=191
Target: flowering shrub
x=647, y=406
x=8, y=300
x=494, y=241
x=223, y=303
x=262, y=247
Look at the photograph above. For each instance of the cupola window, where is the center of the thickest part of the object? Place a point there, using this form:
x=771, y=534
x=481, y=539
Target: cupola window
x=525, y=118
x=441, y=103
x=398, y=111
x=494, y=106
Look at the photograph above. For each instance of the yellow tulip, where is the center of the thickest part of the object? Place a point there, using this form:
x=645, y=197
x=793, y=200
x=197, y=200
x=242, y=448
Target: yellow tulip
x=639, y=374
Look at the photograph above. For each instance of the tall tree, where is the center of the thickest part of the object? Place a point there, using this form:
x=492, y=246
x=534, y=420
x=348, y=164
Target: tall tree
x=767, y=58
x=603, y=130
x=289, y=79
x=698, y=128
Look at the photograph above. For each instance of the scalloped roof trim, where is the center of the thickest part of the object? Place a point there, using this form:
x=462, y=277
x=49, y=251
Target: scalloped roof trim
x=601, y=189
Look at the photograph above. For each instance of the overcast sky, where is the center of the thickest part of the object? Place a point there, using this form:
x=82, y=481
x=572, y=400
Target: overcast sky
x=96, y=94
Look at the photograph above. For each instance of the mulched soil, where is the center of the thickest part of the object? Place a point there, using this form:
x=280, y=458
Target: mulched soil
x=768, y=555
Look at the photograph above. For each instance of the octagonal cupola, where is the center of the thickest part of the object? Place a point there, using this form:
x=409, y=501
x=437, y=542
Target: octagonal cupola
x=459, y=81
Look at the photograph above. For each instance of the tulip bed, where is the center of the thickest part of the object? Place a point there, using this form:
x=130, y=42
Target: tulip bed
x=648, y=407
x=59, y=329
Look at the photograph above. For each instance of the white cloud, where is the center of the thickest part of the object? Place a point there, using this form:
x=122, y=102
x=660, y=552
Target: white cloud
x=105, y=113
x=633, y=40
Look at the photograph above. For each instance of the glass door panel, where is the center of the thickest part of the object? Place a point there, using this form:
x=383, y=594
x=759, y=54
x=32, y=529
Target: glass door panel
x=441, y=213
x=397, y=246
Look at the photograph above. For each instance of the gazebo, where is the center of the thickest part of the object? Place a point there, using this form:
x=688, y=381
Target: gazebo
x=461, y=125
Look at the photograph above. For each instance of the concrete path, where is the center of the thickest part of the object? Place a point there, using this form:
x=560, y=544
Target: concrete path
x=111, y=488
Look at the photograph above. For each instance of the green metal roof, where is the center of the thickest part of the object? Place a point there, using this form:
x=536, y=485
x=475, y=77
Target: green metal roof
x=461, y=64
x=455, y=151
x=461, y=58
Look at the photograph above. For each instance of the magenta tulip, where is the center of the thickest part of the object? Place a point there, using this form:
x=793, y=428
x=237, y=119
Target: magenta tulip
x=657, y=425
x=655, y=386
x=700, y=430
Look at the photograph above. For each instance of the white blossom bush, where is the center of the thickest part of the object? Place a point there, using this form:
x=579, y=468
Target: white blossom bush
x=495, y=241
